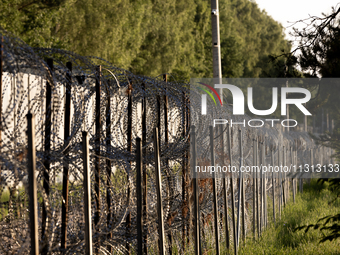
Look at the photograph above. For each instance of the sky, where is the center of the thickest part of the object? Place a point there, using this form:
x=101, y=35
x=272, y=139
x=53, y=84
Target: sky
x=294, y=10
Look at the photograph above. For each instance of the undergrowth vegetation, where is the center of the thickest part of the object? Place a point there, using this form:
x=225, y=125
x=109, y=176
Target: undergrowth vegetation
x=316, y=201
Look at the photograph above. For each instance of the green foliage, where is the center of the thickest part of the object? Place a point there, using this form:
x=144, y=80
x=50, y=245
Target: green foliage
x=329, y=224
x=332, y=184
x=323, y=224
x=321, y=58
x=248, y=37
x=151, y=37
x=35, y=22
x=320, y=55
x=281, y=237
x=6, y=196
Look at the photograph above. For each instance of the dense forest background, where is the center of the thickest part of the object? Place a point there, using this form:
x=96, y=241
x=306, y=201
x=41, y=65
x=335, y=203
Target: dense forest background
x=151, y=37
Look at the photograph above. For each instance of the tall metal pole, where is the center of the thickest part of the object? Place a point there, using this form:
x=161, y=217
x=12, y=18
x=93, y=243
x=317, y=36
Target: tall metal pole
x=215, y=23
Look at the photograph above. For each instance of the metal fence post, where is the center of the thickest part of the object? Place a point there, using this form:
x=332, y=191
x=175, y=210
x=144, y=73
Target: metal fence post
x=129, y=149
x=265, y=186
x=232, y=192
x=239, y=191
x=139, y=192
x=212, y=153
x=280, y=182
x=284, y=190
x=184, y=177
x=243, y=193
x=293, y=178
x=273, y=185
x=196, y=194
x=32, y=186
x=187, y=155
x=97, y=144
x=257, y=187
x=254, y=191
x=1, y=70
x=261, y=189
x=225, y=194
x=166, y=138
x=145, y=190
x=47, y=147
x=66, y=165
x=108, y=163
x=87, y=194
x=159, y=192
x=311, y=163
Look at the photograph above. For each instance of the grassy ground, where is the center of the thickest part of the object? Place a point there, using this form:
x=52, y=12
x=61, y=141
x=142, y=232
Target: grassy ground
x=4, y=198
x=4, y=201
x=281, y=239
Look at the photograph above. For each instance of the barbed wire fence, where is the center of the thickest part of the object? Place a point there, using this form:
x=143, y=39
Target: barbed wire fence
x=68, y=94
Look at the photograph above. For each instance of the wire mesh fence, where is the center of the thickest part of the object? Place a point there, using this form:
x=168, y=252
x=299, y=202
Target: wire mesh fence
x=68, y=94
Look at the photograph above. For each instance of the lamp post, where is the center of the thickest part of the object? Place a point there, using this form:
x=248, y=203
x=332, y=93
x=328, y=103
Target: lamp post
x=215, y=23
